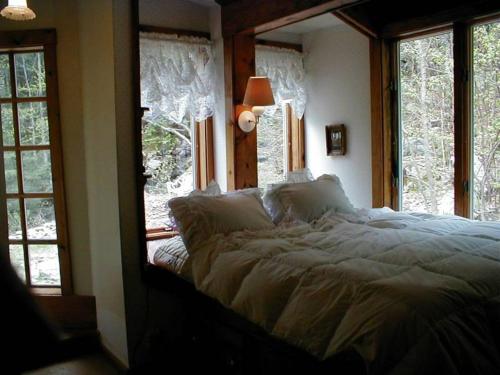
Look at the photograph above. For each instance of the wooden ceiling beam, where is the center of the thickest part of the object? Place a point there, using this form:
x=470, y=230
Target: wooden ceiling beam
x=258, y=16
x=358, y=20
x=443, y=17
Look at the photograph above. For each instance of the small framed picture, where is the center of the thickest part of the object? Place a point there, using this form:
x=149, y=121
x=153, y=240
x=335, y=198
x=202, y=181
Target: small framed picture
x=335, y=140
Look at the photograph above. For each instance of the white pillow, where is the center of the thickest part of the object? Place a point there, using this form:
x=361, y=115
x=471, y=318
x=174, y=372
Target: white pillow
x=307, y=201
x=300, y=175
x=199, y=217
x=212, y=188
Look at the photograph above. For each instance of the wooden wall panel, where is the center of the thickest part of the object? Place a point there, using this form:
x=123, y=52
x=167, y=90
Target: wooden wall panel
x=245, y=144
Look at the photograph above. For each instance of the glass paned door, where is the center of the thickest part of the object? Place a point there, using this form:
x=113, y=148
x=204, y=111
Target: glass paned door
x=426, y=124
x=486, y=121
x=28, y=168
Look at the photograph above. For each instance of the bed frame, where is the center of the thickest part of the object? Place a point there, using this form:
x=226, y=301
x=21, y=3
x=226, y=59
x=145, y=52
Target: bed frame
x=215, y=338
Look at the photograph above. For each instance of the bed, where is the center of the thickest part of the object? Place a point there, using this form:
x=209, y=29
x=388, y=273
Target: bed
x=402, y=293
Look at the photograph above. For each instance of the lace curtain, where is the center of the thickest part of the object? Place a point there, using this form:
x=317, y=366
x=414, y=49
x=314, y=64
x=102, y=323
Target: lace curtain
x=285, y=69
x=177, y=76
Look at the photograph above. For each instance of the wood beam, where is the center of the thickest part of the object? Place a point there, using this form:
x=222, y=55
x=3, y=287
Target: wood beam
x=461, y=12
x=245, y=144
x=258, y=16
x=271, y=43
x=358, y=20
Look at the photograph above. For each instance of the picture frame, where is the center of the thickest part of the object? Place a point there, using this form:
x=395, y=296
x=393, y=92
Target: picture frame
x=335, y=140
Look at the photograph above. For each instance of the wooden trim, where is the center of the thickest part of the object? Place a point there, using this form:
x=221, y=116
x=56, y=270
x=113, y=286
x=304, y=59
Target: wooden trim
x=168, y=30
x=384, y=183
x=426, y=32
x=462, y=56
x=270, y=43
x=70, y=312
x=258, y=16
x=204, y=153
x=290, y=129
x=230, y=113
x=30, y=38
x=58, y=169
x=361, y=27
x=296, y=141
x=164, y=234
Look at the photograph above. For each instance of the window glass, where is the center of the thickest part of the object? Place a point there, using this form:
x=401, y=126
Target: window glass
x=486, y=122
x=271, y=150
x=33, y=123
x=7, y=119
x=44, y=265
x=167, y=150
x=4, y=76
x=426, y=124
x=30, y=74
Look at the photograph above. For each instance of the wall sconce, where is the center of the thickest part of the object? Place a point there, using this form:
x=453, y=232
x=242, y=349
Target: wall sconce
x=257, y=96
x=18, y=10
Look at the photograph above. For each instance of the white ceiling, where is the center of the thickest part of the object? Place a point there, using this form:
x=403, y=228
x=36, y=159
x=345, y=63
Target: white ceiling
x=312, y=24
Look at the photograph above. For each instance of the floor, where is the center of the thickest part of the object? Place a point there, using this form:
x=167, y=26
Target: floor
x=95, y=364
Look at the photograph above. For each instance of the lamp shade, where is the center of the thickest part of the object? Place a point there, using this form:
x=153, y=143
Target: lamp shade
x=258, y=92
x=18, y=10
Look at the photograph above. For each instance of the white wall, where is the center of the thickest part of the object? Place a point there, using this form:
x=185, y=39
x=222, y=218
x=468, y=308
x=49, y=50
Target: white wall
x=100, y=123
x=338, y=87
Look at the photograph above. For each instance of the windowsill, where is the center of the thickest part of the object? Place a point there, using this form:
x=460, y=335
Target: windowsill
x=46, y=291
x=160, y=235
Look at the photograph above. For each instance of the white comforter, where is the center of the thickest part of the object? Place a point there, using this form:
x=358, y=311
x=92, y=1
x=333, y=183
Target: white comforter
x=410, y=293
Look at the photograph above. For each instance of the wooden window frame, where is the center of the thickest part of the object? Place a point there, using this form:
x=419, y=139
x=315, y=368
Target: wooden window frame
x=385, y=114
x=204, y=150
x=28, y=41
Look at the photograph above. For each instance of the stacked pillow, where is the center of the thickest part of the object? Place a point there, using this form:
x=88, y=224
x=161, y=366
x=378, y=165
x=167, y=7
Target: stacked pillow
x=307, y=201
x=205, y=213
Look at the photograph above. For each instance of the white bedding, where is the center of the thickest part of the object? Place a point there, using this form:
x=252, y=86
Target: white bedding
x=411, y=293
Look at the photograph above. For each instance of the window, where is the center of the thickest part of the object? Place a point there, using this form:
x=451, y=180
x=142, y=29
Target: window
x=33, y=167
x=426, y=124
x=486, y=121
x=177, y=131
x=449, y=133
x=280, y=132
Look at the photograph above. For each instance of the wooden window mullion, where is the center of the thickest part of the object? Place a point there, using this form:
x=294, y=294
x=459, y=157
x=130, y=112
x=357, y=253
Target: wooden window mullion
x=462, y=52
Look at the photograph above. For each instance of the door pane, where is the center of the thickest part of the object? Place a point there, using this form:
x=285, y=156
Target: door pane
x=168, y=158
x=486, y=121
x=36, y=169
x=30, y=74
x=44, y=265
x=7, y=124
x=17, y=260
x=426, y=128
x=33, y=123
x=40, y=219
x=9, y=159
x=14, y=219
x=4, y=76
x=271, y=151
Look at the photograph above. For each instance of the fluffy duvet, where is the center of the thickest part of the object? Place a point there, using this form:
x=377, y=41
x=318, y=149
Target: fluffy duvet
x=412, y=294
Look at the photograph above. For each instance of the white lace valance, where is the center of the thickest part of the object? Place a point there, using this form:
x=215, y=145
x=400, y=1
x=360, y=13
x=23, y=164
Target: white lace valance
x=177, y=76
x=285, y=69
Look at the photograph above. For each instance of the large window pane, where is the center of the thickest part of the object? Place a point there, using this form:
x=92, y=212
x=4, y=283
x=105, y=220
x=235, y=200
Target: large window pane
x=14, y=219
x=30, y=74
x=168, y=158
x=4, y=76
x=7, y=124
x=37, y=174
x=271, y=151
x=486, y=121
x=44, y=265
x=9, y=159
x=16, y=254
x=33, y=123
x=426, y=115
x=40, y=219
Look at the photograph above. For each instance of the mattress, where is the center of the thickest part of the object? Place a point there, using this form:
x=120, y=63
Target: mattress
x=170, y=254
